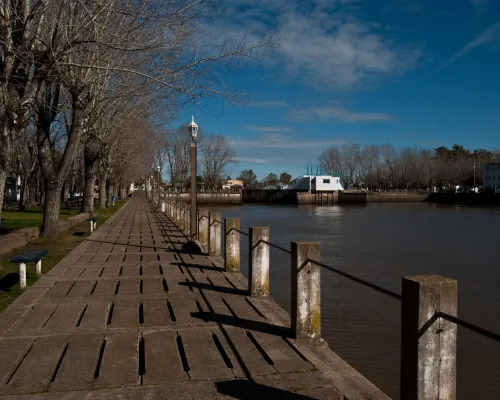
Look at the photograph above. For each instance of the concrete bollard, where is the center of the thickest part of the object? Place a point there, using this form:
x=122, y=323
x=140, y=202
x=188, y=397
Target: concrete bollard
x=22, y=276
x=306, y=291
x=162, y=206
x=91, y=226
x=258, y=261
x=215, y=234
x=187, y=219
x=203, y=229
x=185, y=227
x=178, y=213
x=183, y=216
x=38, y=268
x=232, y=248
x=428, y=343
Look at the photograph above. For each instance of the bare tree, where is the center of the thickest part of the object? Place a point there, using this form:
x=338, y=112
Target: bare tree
x=216, y=154
x=248, y=177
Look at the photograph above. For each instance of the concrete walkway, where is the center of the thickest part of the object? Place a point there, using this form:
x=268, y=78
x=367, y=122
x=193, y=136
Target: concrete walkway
x=128, y=315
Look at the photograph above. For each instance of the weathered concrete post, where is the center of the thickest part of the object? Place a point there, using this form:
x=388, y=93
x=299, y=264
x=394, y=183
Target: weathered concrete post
x=38, y=268
x=306, y=296
x=203, y=229
x=178, y=213
x=428, y=343
x=232, y=248
x=162, y=206
x=22, y=276
x=181, y=217
x=215, y=234
x=187, y=221
x=258, y=261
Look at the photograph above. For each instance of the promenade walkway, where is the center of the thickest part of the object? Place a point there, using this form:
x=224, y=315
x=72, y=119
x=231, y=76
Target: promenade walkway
x=129, y=315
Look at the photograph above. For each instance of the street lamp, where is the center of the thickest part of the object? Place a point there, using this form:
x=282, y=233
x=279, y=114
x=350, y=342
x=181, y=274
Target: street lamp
x=474, y=174
x=159, y=171
x=193, y=131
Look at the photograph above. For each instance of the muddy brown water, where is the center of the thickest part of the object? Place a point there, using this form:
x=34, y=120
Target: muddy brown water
x=381, y=243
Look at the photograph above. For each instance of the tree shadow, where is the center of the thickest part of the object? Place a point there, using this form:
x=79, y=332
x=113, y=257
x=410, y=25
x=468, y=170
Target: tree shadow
x=8, y=280
x=220, y=289
x=248, y=324
x=198, y=266
x=248, y=390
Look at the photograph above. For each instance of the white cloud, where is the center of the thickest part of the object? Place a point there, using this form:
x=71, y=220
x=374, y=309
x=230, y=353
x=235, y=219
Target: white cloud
x=323, y=43
x=338, y=113
x=261, y=128
x=488, y=35
x=267, y=103
x=283, y=142
x=251, y=160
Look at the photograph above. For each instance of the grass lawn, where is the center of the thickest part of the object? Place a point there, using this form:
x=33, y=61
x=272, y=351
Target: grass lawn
x=57, y=249
x=29, y=218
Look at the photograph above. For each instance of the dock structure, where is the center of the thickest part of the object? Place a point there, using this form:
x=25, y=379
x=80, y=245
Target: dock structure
x=139, y=312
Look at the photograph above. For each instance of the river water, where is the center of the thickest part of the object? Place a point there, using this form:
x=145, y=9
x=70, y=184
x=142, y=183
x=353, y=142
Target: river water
x=381, y=243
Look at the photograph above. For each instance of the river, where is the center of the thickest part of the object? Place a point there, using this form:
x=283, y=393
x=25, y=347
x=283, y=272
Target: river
x=381, y=243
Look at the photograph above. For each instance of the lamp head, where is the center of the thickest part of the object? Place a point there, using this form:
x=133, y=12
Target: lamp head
x=193, y=129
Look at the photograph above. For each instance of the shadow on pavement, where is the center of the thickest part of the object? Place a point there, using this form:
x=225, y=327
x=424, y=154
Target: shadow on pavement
x=249, y=390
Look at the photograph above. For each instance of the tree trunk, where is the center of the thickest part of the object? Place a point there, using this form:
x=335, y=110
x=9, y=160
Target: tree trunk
x=88, y=190
x=108, y=193
x=51, y=209
x=22, y=195
x=112, y=190
x=3, y=177
x=63, y=190
x=102, y=190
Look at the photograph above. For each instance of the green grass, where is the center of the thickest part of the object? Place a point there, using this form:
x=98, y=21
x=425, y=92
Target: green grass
x=57, y=249
x=30, y=218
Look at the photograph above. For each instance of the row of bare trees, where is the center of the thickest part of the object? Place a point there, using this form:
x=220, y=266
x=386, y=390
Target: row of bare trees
x=173, y=148
x=386, y=168
x=83, y=84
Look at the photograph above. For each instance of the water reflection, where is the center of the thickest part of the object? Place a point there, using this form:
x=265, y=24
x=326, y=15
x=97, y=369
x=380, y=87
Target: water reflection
x=328, y=212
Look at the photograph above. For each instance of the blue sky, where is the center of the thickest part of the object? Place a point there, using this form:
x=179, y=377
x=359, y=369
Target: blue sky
x=407, y=72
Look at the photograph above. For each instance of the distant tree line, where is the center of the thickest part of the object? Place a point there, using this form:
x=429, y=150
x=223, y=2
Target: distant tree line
x=271, y=180
x=384, y=167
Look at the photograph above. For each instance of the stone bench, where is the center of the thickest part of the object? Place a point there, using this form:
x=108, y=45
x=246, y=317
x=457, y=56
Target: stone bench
x=29, y=256
x=78, y=219
x=17, y=238
x=93, y=222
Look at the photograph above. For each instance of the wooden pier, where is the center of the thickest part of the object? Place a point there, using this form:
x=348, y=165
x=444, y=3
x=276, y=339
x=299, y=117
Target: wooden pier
x=132, y=314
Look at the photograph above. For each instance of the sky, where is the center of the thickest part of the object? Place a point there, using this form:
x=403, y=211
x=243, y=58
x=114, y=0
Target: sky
x=420, y=73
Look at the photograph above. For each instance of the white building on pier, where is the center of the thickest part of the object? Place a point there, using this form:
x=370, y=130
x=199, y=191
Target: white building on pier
x=317, y=183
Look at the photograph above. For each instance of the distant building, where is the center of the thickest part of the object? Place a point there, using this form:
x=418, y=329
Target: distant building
x=491, y=173
x=233, y=183
x=319, y=183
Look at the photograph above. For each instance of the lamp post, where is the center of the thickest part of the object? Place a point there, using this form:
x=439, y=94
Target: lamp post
x=151, y=181
x=474, y=174
x=159, y=171
x=193, y=130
